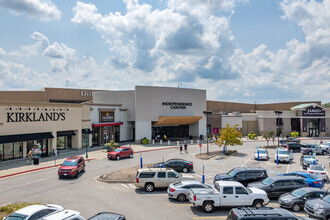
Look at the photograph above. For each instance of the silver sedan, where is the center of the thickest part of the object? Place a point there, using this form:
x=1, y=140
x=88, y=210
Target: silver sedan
x=181, y=190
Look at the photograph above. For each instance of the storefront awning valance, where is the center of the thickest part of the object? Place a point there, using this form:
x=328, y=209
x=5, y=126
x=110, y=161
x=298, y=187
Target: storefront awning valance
x=25, y=137
x=87, y=131
x=106, y=124
x=65, y=133
x=177, y=120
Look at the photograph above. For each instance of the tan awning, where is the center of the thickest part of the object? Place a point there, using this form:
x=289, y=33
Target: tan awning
x=176, y=120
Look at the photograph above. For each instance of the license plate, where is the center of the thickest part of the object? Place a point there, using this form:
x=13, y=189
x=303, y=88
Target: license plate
x=65, y=174
x=317, y=174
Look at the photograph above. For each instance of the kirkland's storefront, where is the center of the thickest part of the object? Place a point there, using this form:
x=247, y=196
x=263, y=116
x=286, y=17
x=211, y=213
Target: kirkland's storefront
x=50, y=126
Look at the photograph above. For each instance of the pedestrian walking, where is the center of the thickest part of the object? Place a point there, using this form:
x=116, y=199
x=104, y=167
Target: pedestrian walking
x=180, y=149
x=29, y=155
x=186, y=147
x=321, y=142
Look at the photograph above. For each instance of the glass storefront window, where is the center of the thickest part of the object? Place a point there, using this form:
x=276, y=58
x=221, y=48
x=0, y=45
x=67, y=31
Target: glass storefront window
x=18, y=149
x=1, y=152
x=8, y=149
x=64, y=142
x=85, y=140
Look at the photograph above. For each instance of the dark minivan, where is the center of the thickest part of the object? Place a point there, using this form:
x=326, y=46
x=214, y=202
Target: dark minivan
x=243, y=175
x=275, y=186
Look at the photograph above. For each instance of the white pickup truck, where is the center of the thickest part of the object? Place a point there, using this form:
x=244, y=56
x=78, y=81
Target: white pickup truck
x=227, y=193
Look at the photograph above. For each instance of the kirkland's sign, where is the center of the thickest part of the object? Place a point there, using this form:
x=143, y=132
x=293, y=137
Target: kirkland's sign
x=34, y=117
x=177, y=105
x=313, y=111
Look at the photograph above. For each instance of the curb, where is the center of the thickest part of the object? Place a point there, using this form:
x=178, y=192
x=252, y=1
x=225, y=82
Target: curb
x=36, y=169
x=142, y=151
x=115, y=181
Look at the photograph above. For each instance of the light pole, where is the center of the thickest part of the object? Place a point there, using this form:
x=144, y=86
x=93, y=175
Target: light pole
x=207, y=113
x=86, y=133
x=278, y=126
x=130, y=139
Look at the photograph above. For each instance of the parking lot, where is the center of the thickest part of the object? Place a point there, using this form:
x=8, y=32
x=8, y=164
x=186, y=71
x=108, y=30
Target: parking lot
x=159, y=200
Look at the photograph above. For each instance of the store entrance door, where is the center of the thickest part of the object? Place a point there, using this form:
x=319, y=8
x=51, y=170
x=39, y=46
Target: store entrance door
x=313, y=132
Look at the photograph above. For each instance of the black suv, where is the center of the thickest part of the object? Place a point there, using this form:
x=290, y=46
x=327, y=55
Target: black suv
x=107, y=216
x=275, y=186
x=243, y=175
x=295, y=147
x=264, y=213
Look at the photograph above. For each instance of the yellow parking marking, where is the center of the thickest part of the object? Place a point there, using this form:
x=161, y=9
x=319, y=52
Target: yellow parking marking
x=211, y=217
x=178, y=204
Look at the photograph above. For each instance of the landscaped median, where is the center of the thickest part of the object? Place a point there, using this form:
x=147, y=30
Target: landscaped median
x=122, y=176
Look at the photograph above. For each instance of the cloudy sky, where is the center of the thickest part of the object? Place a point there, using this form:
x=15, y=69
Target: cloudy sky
x=238, y=50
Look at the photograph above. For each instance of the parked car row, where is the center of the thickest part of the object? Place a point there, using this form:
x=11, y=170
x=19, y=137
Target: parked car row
x=57, y=212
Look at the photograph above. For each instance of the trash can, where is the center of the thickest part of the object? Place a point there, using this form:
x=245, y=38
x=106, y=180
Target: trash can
x=36, y=161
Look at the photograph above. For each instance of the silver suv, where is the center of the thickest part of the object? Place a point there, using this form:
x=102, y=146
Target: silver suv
x=150, y=178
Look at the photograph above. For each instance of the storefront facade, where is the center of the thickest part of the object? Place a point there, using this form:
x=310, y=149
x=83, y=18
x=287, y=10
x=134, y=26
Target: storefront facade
x=49, y=125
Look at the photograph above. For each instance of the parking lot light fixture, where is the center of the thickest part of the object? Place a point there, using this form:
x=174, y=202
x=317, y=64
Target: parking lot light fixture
x=278, y=126
x=207, y=113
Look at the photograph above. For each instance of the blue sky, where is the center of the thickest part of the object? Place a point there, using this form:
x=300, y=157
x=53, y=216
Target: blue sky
x=238, y=50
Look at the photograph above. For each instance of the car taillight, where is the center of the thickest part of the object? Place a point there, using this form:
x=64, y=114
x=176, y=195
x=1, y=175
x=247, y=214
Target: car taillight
x=171, y=189
x=311, y=172
x=306, y=150
x=194, y=197
x=322, y=173
x=190, y=164
x=316, y=182
x=137, y=180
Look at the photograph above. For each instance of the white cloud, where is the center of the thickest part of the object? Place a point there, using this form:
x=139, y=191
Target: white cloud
x=2, y=52
x=41, y=44
x=39, y=9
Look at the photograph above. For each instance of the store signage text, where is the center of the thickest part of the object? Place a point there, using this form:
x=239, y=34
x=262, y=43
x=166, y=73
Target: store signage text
x=177, y=105
x=317, y=111
x=107, y=116
x=85, y=93
x=34, y=117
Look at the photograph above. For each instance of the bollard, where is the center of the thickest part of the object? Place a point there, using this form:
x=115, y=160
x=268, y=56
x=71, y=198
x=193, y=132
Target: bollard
x=224, y=150
x=178, y=143
x=141, y=161
x=168, y=142
x=314, y=161
x=160, y=142
x=197, y=141
x=258, y=154
x=277, y=156
x=191, y=142
x=163, y=163
x=203, y=177
x=153, y=141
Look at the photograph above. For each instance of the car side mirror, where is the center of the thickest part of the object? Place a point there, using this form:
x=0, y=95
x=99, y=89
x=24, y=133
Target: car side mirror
x=271, y=185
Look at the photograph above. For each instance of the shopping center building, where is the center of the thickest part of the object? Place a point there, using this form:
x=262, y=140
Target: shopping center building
x=61, y=119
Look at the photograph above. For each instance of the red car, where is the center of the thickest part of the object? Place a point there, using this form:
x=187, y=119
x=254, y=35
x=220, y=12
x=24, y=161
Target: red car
x=121, y=152
x=72, y=166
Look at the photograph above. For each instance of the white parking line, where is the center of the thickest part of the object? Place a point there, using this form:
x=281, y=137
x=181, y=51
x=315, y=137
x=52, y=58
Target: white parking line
x=132, y=185
x=247, y=161
x=124, y=185
x=24, y=184
x=197, y=175
x=287, y=169
x=267, y=163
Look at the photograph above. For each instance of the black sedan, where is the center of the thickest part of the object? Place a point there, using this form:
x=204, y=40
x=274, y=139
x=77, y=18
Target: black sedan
x=295, y=147
x=296, y=199
x=291, y=140
x=179, y=165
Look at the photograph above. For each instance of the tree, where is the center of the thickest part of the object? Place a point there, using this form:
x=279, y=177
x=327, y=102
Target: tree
x=267, y=135
x=231, y=135
x=326, y=104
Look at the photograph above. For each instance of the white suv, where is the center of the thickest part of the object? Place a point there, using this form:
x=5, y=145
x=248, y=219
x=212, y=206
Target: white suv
x=150, y=178
x=284, y=155
x=34, y=212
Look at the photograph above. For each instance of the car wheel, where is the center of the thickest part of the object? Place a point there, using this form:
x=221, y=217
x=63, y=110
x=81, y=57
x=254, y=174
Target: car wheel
x=118, y=157
x=185, y=170
x=149, y=187
x=181, y=197
x=208, y=207
x=130, y=155
x=310, y=153
x=324, y=153
x=258, y=204
x=296, y=207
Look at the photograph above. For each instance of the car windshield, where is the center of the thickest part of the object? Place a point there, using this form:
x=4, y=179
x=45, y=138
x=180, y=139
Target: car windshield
x=118, y=150
x=262, y=151
x=247, y=189
x=70, y=163
x=178, y=174
x=267, y=181
x=317, y=168
x=283, y=152
x=298, y=193
x=309, y=159
x=232, y=172
x=326, y=199
x=16, y=216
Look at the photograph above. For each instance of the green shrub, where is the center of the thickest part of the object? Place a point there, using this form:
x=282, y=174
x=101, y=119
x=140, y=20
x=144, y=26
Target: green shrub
x=145, y=141
x=111, y=146
x=251, y=136
x=294, y=134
